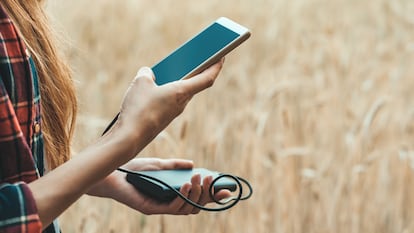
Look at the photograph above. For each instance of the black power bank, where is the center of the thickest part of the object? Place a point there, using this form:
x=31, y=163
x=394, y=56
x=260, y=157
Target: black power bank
x=176, y=179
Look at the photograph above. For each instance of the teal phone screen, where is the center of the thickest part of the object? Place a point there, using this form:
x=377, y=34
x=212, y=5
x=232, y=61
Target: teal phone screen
x=188, y=57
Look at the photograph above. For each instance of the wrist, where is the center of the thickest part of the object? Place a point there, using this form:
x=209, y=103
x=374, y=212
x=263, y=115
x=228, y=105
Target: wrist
x=104, y=188
x=133, y=137
x=123, y=138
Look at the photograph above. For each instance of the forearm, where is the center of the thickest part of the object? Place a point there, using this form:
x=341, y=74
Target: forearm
x=57, y=190
x=146, y=110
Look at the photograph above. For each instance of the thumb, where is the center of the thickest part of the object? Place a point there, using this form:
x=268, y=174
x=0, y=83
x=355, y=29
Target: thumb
x=145, y=72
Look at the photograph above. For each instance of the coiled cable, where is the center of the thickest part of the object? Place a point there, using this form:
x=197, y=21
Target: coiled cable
x=226, y=204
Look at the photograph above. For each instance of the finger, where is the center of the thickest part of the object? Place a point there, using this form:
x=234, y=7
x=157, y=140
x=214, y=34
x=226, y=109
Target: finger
x=145, y=72
x=205, y=194
x=222, y=194
x=206, y=198
x=197, y=192
x=203, y=80
x=193, y=196
x=176, y=164
x=148, y=164
x=178, y=203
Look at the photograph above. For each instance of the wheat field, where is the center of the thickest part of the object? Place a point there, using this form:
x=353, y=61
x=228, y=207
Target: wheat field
x=316, y=110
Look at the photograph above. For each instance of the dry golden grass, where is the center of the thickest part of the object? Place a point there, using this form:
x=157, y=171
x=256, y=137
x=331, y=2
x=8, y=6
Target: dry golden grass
x=316, y=110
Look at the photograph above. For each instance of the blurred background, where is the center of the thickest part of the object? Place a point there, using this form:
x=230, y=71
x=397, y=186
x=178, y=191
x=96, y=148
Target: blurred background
x=316, y=109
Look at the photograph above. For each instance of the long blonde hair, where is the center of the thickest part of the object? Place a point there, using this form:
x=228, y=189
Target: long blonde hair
x=58, y=106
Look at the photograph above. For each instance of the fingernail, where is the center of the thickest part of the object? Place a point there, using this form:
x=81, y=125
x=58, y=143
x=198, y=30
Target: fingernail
x=197, y=178
x=145, y=71
x=188, y=188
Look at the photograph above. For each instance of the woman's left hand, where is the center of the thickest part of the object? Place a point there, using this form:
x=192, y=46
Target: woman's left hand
x=116, y=187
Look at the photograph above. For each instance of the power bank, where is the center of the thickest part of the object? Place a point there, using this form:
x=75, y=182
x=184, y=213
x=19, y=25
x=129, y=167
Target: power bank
x=176, y=179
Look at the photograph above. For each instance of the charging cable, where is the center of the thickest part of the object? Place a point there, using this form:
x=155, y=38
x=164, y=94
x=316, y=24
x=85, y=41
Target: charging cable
x=227, y=204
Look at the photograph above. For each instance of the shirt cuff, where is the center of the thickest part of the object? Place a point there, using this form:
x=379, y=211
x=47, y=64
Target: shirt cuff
x=18, y=211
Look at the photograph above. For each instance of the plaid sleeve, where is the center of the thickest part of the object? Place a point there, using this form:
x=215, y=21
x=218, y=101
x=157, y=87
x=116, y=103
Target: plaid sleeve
x=18, y=211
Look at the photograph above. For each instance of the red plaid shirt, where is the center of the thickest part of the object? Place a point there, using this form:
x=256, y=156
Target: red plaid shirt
x=21, y=141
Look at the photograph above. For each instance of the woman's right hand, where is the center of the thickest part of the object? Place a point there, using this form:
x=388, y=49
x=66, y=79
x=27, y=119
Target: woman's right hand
x=148, y=108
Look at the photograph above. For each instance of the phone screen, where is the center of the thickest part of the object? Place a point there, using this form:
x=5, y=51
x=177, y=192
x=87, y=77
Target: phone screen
x=189, y=56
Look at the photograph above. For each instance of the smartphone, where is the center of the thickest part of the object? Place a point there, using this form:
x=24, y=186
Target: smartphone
x=198, y=53
x=176, y=179
x=201, y=51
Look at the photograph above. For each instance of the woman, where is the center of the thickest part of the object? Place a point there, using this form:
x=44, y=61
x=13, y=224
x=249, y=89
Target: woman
x=37, y=116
